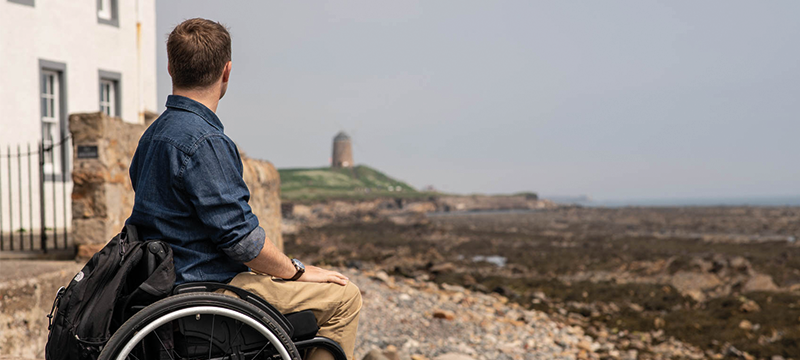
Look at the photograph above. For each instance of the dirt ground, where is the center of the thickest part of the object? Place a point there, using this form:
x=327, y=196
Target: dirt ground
x=725, y=279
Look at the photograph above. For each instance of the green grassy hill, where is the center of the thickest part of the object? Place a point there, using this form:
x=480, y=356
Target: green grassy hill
x=360, y=182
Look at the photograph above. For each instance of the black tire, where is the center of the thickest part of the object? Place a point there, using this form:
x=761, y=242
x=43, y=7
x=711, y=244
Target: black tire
x=135, y=330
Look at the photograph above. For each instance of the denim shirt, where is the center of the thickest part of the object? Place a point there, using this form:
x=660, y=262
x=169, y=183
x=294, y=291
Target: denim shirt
x=187, y=175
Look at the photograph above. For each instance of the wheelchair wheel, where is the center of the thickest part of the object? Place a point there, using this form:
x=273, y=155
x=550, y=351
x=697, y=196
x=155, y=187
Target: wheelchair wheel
x=200, y=326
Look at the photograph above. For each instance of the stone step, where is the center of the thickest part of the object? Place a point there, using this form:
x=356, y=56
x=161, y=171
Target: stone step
x=27, y=290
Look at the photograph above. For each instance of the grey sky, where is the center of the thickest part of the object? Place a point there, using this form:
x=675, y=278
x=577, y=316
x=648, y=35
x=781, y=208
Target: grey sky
x=614, y=99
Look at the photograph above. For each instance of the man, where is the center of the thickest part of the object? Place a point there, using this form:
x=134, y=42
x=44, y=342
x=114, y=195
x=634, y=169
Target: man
x=187, y=175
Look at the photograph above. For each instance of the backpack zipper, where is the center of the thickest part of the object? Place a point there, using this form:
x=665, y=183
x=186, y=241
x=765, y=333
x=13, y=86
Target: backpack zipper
x=56, y=303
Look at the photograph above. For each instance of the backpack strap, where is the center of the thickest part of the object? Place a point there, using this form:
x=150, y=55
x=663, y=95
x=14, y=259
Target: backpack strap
x=127, y=235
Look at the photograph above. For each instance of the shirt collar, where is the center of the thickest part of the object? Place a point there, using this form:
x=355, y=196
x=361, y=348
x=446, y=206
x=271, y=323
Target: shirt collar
x=185, y=103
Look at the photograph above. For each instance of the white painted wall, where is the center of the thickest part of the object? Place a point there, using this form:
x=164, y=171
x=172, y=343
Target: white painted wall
x=68, y=31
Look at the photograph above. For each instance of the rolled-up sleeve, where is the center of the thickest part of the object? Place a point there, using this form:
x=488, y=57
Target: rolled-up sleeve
x=212, y=177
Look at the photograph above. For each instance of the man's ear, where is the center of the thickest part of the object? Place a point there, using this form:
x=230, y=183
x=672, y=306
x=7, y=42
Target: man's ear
x=226, y=74
x=169, y=70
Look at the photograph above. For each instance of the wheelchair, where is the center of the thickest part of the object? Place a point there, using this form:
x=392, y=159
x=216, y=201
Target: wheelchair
x=198, y=322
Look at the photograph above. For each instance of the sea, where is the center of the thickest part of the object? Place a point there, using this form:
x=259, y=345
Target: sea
x=680, y=202
x=777, y=201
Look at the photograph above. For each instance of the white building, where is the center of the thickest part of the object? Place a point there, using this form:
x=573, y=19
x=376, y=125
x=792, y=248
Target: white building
x=61, y=57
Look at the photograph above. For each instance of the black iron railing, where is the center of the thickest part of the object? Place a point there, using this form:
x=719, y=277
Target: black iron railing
x=34, y=208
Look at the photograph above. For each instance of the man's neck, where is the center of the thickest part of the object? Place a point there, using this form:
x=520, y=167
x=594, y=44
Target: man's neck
x=208, y=97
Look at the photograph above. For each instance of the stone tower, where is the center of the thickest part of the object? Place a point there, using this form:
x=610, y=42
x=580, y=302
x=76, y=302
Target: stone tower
x=342, y=151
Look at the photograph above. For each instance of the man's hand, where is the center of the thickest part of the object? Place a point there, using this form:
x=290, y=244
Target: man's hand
x=318, y=275
x=273, y=262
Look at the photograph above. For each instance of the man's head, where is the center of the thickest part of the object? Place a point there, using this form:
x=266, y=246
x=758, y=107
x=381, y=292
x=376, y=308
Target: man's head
x=199, y=53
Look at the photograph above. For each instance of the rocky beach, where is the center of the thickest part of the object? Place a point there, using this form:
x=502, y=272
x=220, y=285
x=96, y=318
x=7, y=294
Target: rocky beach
x=563, y=282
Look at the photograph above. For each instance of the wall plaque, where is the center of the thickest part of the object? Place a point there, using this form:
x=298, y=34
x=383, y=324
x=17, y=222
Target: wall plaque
x=87, y=151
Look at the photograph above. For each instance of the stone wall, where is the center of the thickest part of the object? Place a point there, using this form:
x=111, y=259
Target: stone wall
x=265, y=196
x=102, y=197
x=27, y=290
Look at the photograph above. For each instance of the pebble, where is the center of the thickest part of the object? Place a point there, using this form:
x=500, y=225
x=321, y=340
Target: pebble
x=375, y=354
x=382, y=276
x=746, y=325
x=475, y=331
x=453, y=356
x=443, y=314
x=413, y=319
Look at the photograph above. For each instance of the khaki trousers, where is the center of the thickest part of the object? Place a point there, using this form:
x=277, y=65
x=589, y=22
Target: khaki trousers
x=336, y=307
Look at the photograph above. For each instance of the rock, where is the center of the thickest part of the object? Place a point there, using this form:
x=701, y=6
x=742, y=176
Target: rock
x=749, y=306
x=636, y=307
x=637, y=344
x=504, y=291
x=633, y=354
x=585, y=345
x=453, y=356
x=418, y=357
x=739, y=264
x=759, y=282
x=734, y=352
x=659, y=323
x=746, y=325
x=421, y=207
x=443, y=267
x=508, y=347
x=410, y=344
x=480, y=288
x=694, y=284
x=443, y=314
x=391, y=353
x=700, y=264
x=452, y=288
x=355, y=264
x=382, y=276
x=777, y=357
x=375, y=354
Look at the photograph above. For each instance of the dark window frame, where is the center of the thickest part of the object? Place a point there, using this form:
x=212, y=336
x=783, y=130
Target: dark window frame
x=116, y=78
x=61, y=69
x=114, y=21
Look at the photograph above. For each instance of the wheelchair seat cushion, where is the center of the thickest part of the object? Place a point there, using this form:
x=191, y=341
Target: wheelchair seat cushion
x=304, y=323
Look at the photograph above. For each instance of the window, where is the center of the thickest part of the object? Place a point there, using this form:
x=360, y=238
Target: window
x=53, y=99
x=107, y=12
x=107, y=97
x=51, y=110
x=104, y=9
x=110, y=92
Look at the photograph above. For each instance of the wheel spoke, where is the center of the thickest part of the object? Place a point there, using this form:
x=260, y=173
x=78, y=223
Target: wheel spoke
x=211, y=338
x=259, y=351
x=238, y=331
x=162, y=345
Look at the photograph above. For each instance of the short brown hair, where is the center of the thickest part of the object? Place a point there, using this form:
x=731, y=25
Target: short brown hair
x=198, y=50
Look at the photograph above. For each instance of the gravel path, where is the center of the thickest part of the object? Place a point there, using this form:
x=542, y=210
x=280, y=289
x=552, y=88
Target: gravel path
x=420, y=320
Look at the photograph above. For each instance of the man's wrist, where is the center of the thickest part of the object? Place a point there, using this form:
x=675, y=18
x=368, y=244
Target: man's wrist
x=299, y=268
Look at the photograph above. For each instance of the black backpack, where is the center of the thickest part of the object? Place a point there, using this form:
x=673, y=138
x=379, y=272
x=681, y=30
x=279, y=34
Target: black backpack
x=127, y=274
